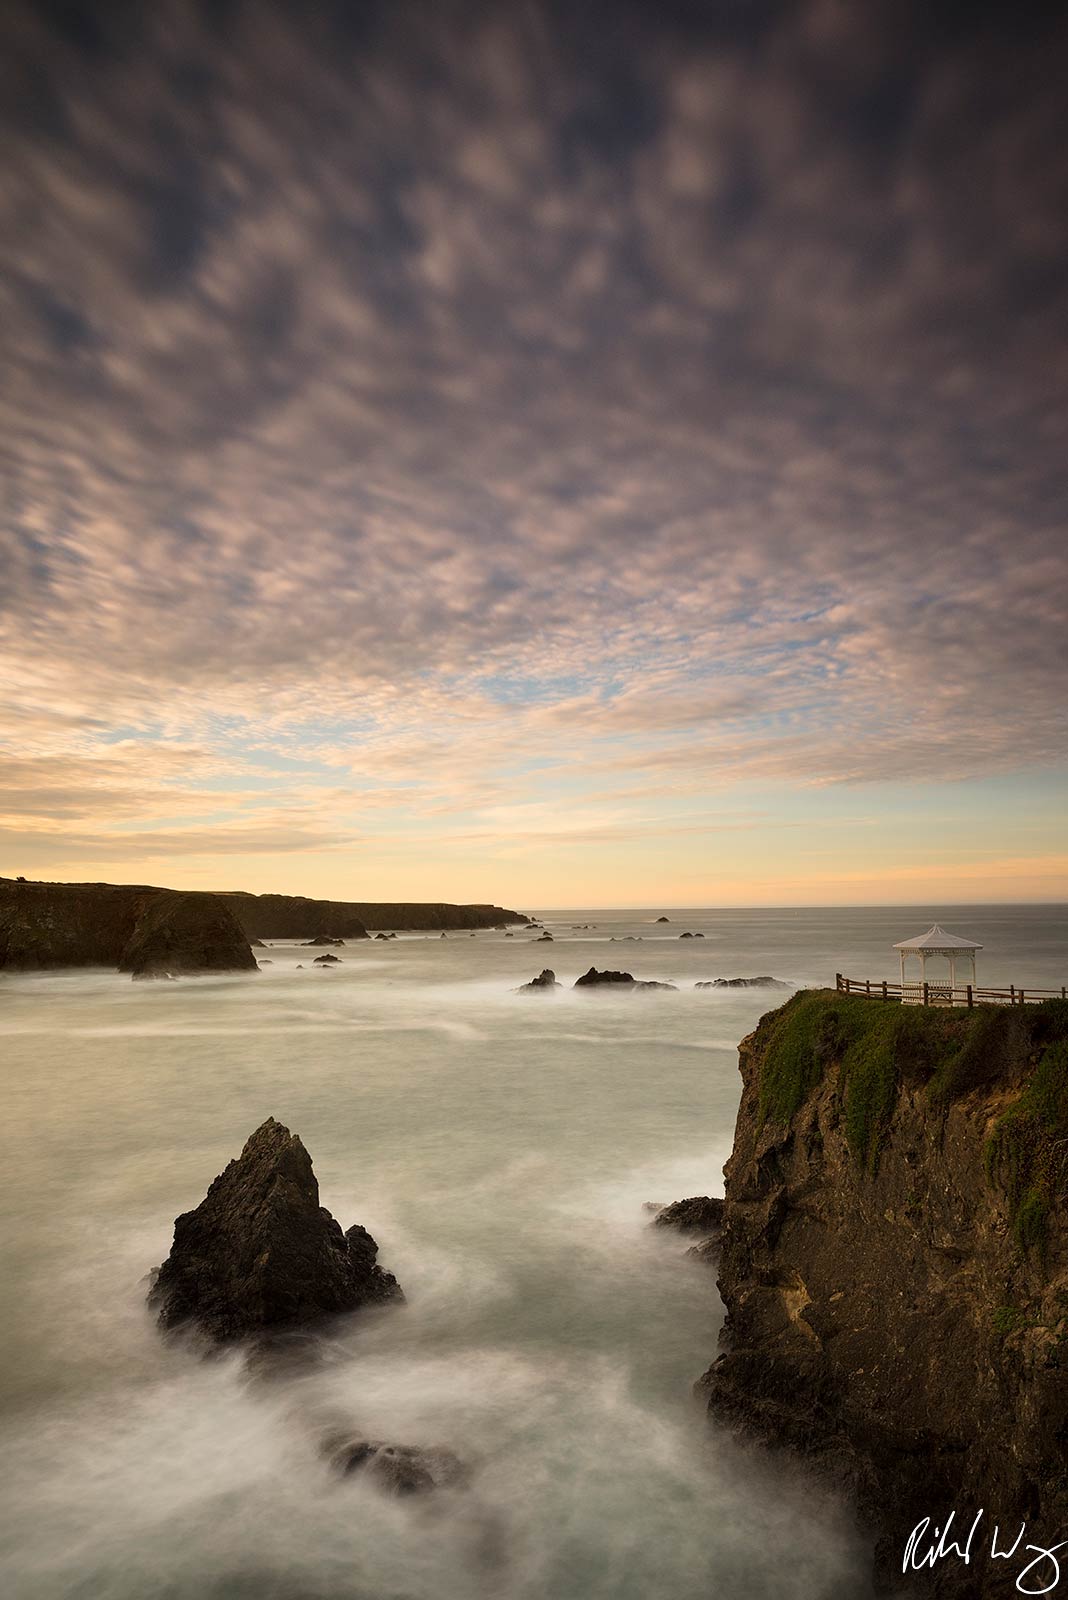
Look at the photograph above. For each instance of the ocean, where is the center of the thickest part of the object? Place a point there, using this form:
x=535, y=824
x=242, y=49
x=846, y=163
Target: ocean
x=500, y=1148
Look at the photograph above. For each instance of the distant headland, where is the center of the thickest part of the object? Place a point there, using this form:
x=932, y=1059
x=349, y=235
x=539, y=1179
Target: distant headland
x=153, y=932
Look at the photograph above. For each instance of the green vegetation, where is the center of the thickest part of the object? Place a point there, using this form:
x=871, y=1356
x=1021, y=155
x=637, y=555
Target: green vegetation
x=1027, y=1153
x=878, y=1046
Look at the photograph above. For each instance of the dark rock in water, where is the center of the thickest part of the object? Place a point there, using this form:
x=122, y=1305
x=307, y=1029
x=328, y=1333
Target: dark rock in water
x=327, y=961
x=509, y=936
x=397, y=1469
x=381, y=935
x=545, y=938
x=300, y=966
x=743, y=983
x=185, y=934
x=708, y=1250
x=266, y=962
x=546, y=980
x=700, y=1214
x=257, y=944
x=622, y=980
x=663, y=919
x=444, y=936
x=322, y=938
x=685, y=935
x=260, y=1254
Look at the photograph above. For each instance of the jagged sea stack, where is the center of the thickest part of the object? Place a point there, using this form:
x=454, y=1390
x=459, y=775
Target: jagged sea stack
x=261, y=1255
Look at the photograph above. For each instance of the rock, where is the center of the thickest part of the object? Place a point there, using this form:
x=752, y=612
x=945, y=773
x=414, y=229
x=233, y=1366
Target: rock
x=384, y=935
x=546, y=938
x=300, y=966
x=144, y=931
x=266, y=962
x=257, y=944
x=895, y=1263
x=663, y=919
x=397, y=1469
x=700, y=1214
x=623, y=980
x=708, y=1250
x=327, y=961
x=509, y=936
x=261, y=1255
x=322, y=938
x=187, y=934
x=546, y=980
x=685, y=935
x=742, y=983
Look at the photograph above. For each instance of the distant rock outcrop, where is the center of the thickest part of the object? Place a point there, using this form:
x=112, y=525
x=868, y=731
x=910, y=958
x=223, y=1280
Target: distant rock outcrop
x=546, y=980
x=742, y=983
x=322, y=938
x=261, y=1255
x=179, y=934
x=620, y=980
x=327, y=961
x=663, y=919
x=139, y=929
x=289, y=916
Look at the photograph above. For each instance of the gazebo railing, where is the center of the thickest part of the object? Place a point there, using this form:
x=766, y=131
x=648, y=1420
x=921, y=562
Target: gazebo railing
x=935, y=992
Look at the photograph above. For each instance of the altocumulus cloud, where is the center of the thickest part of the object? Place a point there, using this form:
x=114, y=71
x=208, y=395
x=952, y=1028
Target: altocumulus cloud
x=412, y=393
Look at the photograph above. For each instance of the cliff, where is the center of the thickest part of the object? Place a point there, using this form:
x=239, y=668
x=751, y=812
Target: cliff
x=895, y=1268
x=287, y=916
x=139, y=929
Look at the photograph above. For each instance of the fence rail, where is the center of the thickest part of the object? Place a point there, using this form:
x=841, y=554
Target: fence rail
x=936, y=993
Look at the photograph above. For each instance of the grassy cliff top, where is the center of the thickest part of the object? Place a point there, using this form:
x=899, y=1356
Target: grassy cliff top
x=878, y=1046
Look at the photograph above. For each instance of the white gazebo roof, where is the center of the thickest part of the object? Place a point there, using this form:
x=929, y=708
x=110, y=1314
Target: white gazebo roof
x=936, y=941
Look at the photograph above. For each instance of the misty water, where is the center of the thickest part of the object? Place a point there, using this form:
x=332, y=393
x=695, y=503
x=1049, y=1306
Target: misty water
x=500, y=1148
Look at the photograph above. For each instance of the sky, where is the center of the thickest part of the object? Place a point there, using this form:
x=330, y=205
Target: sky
x=548, y=453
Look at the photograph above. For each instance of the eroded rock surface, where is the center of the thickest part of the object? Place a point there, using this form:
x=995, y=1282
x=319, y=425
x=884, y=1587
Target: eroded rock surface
x=895, y=1262
x=260, y=1254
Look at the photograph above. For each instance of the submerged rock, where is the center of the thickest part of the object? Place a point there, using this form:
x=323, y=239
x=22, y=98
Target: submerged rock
x=327, y=961
x=545, y=938
x=546, y=980
x=322, y=938
x=663, y=919
x=397, y=1469
x=260, y=1254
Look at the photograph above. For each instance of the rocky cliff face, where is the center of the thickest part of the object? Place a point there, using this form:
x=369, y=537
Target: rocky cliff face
x=261, y=1255
x=895, y=1267
x=287, y=916
x=138, y=929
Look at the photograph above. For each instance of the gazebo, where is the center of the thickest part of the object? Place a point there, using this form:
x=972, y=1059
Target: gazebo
x=935, y=942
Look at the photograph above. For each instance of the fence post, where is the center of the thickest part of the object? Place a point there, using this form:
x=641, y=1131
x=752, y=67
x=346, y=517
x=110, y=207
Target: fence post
x=969, y=997
x=884, y=988
x=838, y=981
x=925, y=991
x=1064, y=992
x=867, y=986
x=1022, y=998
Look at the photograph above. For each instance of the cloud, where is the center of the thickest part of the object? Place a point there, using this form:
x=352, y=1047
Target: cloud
x=680, y=399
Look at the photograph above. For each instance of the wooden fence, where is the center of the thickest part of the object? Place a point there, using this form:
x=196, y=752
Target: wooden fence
x=936, y=993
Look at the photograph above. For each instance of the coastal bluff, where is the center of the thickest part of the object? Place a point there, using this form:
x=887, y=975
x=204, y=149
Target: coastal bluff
x=895, y=1267
x=145, y=931
x=290, y=916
